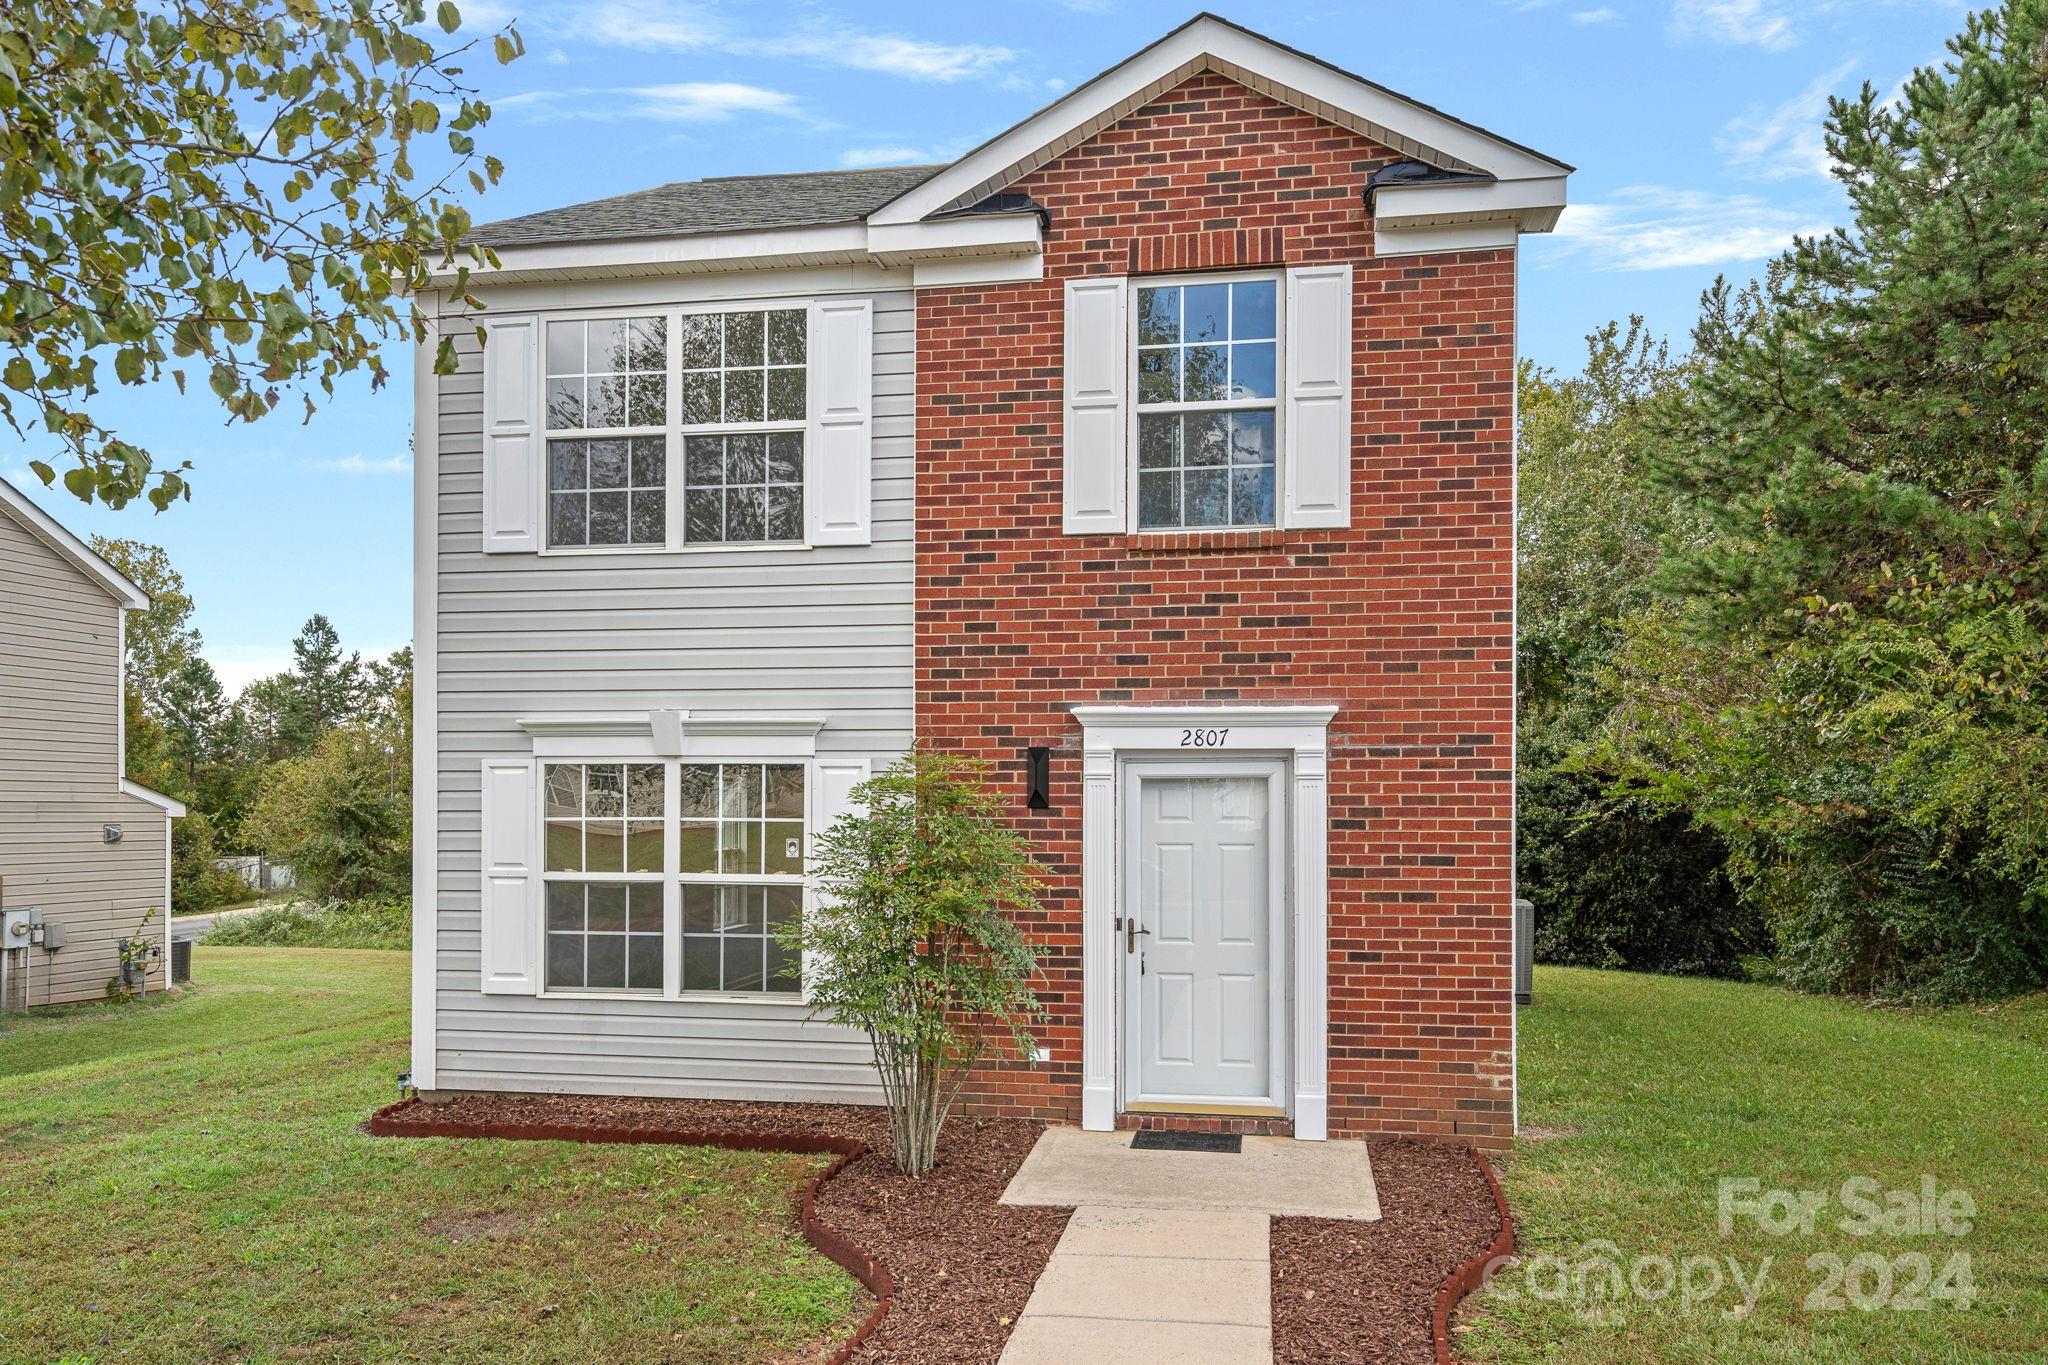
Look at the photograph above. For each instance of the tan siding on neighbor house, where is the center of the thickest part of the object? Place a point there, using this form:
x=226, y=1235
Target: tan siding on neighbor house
x=60, y=735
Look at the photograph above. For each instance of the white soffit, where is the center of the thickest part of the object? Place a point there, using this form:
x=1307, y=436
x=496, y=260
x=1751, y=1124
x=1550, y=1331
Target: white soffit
x=1210, y=44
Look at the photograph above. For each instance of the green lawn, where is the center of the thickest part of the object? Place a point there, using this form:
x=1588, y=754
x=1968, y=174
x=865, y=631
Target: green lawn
x=183, y=1179
x=1639, y=1093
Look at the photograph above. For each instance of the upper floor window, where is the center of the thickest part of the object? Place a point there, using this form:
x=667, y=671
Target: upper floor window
x=1208, y=359
x=727, y=389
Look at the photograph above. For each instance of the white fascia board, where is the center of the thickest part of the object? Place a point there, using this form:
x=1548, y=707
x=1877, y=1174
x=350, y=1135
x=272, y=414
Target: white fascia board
x=1427, y=241
x=1413, y=220
x=1208, y=44
x=990, y=234
x=845, y=244
x=709, y=251
x=51, y=532
x=1534, y=199
x=169, y=805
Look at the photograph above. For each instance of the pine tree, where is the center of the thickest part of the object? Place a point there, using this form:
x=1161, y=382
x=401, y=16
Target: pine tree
x=1850, y=681
x=327, y=687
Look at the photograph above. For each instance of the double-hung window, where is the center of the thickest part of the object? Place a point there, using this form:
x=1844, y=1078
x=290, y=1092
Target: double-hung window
x=727, y=388
x=742, y=829
x=607, y=416
x=605, y=835
x=1207, y=362
x=672, y=877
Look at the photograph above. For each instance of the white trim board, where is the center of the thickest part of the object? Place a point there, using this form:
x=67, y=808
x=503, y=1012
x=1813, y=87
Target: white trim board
x=1298, y=734
x=426, y=759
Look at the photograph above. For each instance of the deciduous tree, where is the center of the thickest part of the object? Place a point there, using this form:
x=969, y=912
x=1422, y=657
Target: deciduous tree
x=238, y=193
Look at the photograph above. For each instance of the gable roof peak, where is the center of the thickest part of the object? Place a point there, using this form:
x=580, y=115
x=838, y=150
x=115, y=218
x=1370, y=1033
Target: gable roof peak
x=1208, y=42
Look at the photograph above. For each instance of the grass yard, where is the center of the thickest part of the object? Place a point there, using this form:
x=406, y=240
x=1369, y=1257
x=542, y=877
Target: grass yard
x=184, y=1180
x=1641, y=1092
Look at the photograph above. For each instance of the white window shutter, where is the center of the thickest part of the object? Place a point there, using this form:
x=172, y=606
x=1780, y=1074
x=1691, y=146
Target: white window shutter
x=837, y=777
x=1095, y=474
x=838, y=454
x=512, y=438
x=1316, y=463
x=511, y=882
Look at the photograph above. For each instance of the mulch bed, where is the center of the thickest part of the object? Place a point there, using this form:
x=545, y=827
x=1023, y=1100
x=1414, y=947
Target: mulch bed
x=959, y=1265
x=1354, y=1292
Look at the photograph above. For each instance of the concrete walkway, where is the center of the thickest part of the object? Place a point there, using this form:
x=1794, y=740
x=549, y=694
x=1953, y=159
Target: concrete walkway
x=1166, y=1260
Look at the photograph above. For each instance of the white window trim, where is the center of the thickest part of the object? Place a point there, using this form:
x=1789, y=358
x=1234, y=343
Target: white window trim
x=1298, y=734
x=673, y=431
x=671, y=738
x=1277, y=404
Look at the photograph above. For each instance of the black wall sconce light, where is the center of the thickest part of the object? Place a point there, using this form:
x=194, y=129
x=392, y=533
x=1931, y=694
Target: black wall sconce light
x=1038, y=775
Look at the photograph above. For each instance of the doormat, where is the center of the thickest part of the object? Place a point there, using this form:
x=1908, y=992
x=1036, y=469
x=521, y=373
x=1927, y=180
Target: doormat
x=1153, y=1140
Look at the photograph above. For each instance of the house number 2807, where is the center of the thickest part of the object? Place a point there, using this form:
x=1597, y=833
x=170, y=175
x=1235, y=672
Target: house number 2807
x=1203, y=739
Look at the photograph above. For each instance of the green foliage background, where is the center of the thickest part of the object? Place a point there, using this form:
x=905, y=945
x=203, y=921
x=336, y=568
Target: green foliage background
x=1837, y=512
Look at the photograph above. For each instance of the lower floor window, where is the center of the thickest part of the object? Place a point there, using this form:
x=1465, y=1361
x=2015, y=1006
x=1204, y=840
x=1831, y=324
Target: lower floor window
x=616, y=836
x=604, y=936
x=729, y=941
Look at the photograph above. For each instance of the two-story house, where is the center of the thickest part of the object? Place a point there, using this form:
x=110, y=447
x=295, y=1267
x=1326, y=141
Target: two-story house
x=1159, y=450
x=85, y=854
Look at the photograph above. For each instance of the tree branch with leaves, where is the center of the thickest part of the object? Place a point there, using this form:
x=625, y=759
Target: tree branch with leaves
x=223, y=190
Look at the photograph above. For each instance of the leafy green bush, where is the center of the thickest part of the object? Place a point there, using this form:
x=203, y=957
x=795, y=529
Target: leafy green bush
x=1618, y=882
x=341, y=813
x=330, y=924
x=915, y=940
x=197, y=881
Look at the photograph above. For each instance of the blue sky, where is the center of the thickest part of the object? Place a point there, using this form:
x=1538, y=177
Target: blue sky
x=1695, y=125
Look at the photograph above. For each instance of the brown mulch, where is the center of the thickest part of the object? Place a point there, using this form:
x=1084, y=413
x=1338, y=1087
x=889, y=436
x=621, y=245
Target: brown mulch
x=1349, y=1293
x=963, y=1264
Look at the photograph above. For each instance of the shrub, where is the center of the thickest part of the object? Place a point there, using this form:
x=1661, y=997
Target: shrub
x=1620, y=883
x=197, y=881
x=329, y=924
x=913, y=940
x=341, y=814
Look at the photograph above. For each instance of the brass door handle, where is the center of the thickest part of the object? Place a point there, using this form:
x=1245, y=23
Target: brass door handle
x=1131, y=932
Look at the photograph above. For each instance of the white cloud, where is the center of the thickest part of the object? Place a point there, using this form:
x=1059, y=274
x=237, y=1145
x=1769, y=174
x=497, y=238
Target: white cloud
x=1603, y=15
x=360, y=463
x=1742, y=22
x=910, y=57
x=654, y=27
x=1653, y=227
x=707, y=101
x=641, y=24
x=1786, y=141
x=237, y=668
x=681, y=102
x=857, y=157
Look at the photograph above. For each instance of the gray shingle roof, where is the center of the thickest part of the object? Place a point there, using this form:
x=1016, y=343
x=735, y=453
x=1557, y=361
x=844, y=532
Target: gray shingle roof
x=733, y=203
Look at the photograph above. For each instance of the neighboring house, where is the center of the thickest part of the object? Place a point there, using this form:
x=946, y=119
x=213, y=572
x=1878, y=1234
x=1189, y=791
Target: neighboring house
x=1169, y=432
x=78, y=841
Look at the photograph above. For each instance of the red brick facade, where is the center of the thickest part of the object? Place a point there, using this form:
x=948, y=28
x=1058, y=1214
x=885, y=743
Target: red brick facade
x=1404, y=619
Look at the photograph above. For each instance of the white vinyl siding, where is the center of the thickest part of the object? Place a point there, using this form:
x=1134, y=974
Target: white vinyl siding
x=791, y=630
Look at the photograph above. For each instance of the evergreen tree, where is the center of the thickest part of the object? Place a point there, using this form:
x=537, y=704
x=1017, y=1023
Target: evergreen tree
x=1850, y=682
x=325, y=688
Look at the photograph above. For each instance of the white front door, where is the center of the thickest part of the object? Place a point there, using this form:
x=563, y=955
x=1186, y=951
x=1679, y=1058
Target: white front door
x=1203, y=893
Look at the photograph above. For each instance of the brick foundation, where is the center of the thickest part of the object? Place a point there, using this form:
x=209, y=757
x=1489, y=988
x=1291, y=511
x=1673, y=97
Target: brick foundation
x=1404, y=619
